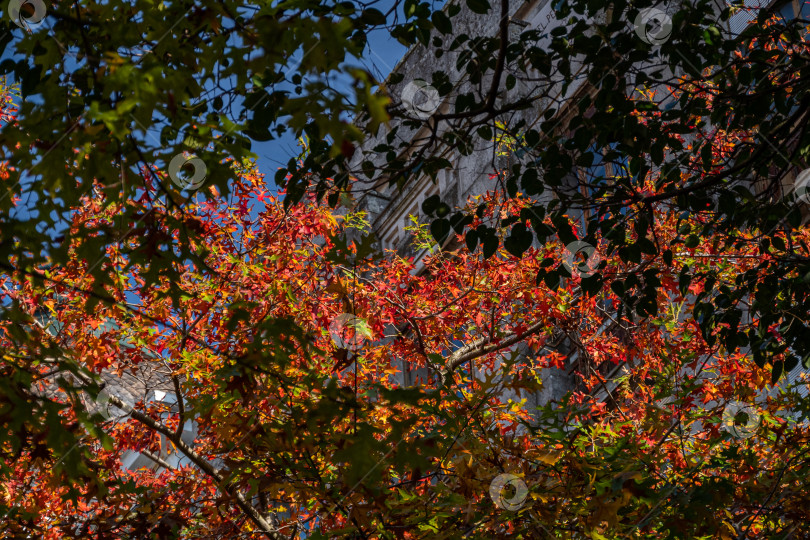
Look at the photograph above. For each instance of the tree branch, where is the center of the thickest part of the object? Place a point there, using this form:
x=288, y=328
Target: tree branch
x=501, y=64
x=482, y=347
x=253, y=514
x=181, y=410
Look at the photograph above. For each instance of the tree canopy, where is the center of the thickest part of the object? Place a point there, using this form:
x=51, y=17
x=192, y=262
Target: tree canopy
x=281, y=350
x=113, y=92
x=644, y=231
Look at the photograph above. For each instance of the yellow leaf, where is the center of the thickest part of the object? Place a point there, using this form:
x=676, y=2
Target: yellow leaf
x=93, y=130
x=728, y=533
x=549, y=458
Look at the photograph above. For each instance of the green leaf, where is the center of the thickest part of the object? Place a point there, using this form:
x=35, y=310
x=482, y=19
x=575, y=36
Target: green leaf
x=490, y=245
x=552, y=280
x=563, y=228
x=530, y=181
x=776, y=371
x=460, y=220
x=478, y=6
x=372, y=16
x=442, y=22
x=519, y=240
x=591, y=284
x=440, y=229
x=485, y=132
x=430, y=204
x=532, y=138
x=471, y=238
x=712, y=35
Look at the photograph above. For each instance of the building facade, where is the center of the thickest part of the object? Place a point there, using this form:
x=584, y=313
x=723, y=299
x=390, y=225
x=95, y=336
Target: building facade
x=392, y=208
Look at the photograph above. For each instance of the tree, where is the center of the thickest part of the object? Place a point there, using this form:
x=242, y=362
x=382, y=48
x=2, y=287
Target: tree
x=282, y=343
x=111, y=266
x=717, y=118
x=718, y=115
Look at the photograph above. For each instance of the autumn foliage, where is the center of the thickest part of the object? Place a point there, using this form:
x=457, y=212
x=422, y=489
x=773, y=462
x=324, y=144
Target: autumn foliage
x=242, y=365
x=287, y=337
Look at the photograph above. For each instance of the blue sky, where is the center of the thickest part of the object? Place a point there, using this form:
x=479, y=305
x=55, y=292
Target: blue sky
x=380, y=57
